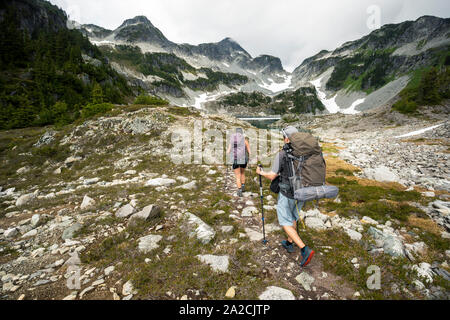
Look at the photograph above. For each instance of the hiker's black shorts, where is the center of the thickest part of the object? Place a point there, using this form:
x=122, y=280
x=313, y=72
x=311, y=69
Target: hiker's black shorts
x=236, y=165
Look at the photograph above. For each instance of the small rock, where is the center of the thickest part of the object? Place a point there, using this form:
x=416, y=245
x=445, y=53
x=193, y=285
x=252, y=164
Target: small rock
x=128, y=289
x=231, y=293
x=305, y=280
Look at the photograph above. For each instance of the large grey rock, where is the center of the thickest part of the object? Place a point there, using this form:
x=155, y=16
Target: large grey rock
x=249, y=211
x=415, y=249
x=91, y=181
x=276, y=293
x=30, y=234
x=189, y=186
x=315, y=223
x=160, y=182
x=70, y=231
x=424, y=271
x=148, y=213
x=125, y=211
x=306, y=280
x=36, y=220
x=217, y=263
x=45, y=139
x=368, y=220
x=382, y=173
x=253, y=235
x=354, y=235
x=10, y=233
x=149, y=243
x=203, y=232
x=70, y=160
x=24, y=199
x=227, y=229
x=87, y=203
x=394, y=247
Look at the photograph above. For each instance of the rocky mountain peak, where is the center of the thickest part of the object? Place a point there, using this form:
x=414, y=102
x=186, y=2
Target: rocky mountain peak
x=137, y=20
x=268, y=63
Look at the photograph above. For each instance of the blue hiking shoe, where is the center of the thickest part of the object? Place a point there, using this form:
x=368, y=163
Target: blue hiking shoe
x=288, y=247
x=307, y=255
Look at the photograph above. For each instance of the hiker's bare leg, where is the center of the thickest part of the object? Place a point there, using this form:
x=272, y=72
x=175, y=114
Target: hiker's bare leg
x=237, y=173
x=242, y=176
x=295, y=227
x=293, y=235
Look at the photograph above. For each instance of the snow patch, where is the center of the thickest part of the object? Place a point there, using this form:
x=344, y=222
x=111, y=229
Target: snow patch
x=277, y=87
x=415, y=133
x=330, y=104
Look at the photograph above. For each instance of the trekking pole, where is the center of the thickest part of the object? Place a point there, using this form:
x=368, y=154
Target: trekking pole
x=262, y=206
x=226, y=179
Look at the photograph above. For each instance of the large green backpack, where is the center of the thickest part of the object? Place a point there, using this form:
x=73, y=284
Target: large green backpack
x=307, y=169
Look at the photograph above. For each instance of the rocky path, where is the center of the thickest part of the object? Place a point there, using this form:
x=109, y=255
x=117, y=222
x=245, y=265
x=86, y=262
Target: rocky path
x=312, y=282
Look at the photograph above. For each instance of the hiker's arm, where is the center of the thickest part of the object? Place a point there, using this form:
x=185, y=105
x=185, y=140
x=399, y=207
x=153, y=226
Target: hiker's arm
x=269, y=175
x=248, y=148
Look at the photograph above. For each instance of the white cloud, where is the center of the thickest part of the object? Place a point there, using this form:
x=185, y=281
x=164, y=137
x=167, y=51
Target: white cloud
x=290, y=29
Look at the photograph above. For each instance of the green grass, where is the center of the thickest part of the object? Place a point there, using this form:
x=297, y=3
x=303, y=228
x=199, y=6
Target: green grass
x=371, y=201
x=337, y=261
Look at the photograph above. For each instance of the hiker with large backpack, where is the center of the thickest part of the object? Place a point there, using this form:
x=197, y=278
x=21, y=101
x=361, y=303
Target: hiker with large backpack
x=238, y=155
x=298, y=175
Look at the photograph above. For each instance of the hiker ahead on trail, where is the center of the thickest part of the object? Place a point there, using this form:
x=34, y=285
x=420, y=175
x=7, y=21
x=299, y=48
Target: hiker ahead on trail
x=288, y=208
x=238, y=155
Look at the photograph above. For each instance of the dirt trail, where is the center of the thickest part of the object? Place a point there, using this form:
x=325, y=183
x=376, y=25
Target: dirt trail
x=275, y=261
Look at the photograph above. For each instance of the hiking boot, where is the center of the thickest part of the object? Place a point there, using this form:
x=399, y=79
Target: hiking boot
x=239, y=193
x=243, y=188
x=307, y=255
x=289, y=247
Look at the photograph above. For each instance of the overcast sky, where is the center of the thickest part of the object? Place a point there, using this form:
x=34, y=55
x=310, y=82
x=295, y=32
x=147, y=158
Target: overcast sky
x=292, y=30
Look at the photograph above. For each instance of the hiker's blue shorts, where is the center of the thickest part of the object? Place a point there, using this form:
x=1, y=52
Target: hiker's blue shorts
x=287, y=210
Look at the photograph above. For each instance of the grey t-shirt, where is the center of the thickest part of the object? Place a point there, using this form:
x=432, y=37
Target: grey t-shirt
x=276, y=164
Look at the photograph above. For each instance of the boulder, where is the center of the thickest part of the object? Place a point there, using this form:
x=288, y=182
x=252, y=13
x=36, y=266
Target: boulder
x=10, y=233
x=368, y=220
x=393, y=246
x=70, y=160
x=249, y=211
x=382, y=173
x=203, y=232
x=24, y=199
x=87, y=203
x=36, y=220
x=306, y=280
x=227, y=229
x=276, y=293
x=149, y=243
x=159, y=182
x=315, y=223
x=253, y=235
x=354, y=235
x=148, y=213
x=217, y=263
x=424, y=271
x=188, y=186
x=70, y=231
x=125, y=211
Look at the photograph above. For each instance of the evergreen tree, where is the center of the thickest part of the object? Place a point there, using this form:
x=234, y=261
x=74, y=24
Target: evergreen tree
x=97, y=94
